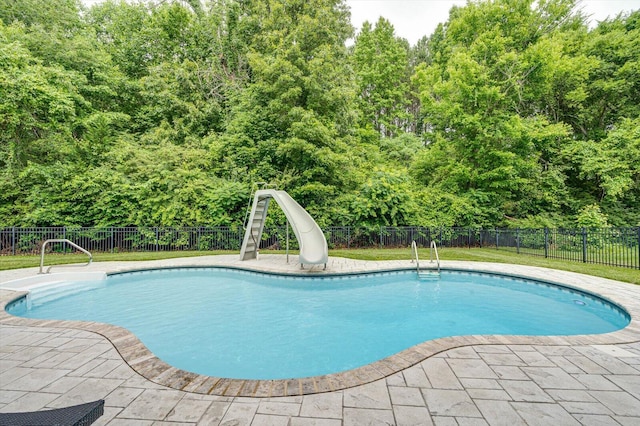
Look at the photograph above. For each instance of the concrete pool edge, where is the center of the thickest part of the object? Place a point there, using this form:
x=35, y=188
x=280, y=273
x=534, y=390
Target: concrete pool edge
x=136, y=355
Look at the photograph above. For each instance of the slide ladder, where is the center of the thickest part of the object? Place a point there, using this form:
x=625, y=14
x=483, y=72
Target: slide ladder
x=311, y=239
x=253, y=232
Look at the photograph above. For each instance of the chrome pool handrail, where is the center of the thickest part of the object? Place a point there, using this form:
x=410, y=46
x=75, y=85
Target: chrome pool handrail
x=433, y=249
x=414, y=255
x=62, y=240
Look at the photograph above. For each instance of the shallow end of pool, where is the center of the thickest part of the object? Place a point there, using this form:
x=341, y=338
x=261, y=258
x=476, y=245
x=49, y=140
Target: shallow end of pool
x=45, y=280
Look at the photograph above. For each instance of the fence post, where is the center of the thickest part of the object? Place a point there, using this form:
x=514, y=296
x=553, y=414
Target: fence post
x=157, y=244
x=348, y=237
x=381, y=236
x=496, y=238
x=480, y=237
x=517, y=240
x=13, y=240
x=638, y=247
x=584, y=245
x=469, y=233
x=546, y=242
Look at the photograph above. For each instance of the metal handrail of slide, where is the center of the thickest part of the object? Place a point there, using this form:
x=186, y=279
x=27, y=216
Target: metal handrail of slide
x=62, y=240
x=248, y=210
x=433, y=249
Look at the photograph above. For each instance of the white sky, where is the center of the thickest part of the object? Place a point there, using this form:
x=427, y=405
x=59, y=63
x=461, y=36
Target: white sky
x=413, y=19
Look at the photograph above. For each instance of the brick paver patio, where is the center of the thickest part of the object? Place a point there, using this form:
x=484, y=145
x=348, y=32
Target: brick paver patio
x=480, y=380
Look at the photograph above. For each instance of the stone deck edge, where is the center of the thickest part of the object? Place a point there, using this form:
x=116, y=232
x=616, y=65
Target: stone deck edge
x=145, y=363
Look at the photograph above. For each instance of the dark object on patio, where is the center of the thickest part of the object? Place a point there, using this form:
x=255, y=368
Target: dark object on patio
x=76, y=415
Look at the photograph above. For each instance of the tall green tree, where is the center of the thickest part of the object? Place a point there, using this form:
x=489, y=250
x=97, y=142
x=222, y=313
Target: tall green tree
x=60, y=106
x=165, y=113
x=613, y=91
x=487, y=143
x=608, y=173
x=50, y=14
x=120, y=27
x=381, y=68
x=292, y=123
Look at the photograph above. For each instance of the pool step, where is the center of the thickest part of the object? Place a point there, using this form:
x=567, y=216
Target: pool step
x=428, y=275
x=58, y=290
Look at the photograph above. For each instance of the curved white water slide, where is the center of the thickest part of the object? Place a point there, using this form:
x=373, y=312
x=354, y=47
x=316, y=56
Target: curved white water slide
x=311, y=239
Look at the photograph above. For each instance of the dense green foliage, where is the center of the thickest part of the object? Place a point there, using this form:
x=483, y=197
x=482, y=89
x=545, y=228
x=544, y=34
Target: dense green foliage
x=512, y=113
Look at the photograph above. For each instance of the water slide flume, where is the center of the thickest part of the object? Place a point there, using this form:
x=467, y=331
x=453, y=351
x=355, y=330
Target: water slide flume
x=311, y=239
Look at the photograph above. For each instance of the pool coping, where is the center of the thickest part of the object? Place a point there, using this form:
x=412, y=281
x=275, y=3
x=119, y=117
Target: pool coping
x=145, y=363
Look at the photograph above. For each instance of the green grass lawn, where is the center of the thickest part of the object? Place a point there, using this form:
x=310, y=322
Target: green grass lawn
x=483, y=255
x=498, y=256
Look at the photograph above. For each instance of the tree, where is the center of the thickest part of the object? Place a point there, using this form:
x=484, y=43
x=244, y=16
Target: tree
x=165, y=113
x=613, y=91
x=50, y=13
x=607, y=172
x=37, y=107
x=381, y=67
x=487, y=141
x=291, y=124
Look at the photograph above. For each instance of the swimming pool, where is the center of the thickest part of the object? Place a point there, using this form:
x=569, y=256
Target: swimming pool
x=237, y=324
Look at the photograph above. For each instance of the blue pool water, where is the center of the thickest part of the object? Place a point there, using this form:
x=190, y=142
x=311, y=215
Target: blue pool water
x=238, y=324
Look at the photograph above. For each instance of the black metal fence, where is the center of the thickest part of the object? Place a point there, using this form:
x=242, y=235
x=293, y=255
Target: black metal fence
x=607, y=246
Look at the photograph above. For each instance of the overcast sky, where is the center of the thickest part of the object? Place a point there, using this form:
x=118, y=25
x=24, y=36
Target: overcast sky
x=413, y=19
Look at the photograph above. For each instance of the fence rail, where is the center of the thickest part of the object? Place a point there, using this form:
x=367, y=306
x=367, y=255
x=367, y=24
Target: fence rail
x=606, y=246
